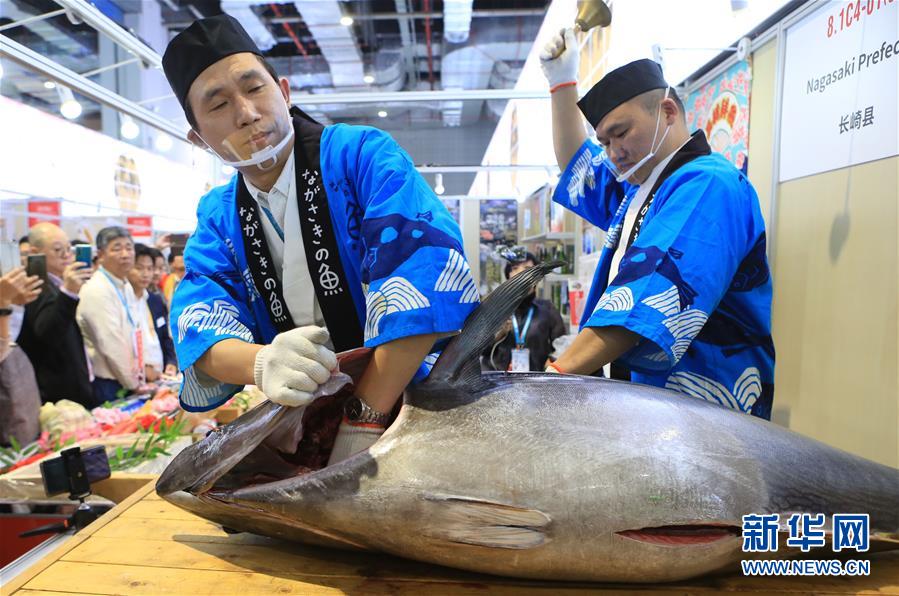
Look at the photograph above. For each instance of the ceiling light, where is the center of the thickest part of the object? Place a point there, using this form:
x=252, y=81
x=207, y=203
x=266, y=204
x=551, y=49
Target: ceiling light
x=163, y=142
x=382, y=114
x=346, y=21
x=68, y=106
x=368, y=79
x=49, y=85
x=1, y=69
x=70, y=109
x=129, y=128
x=438, y=184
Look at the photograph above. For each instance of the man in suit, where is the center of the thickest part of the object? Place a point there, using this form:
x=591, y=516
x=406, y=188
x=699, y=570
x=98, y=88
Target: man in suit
x=50, y=335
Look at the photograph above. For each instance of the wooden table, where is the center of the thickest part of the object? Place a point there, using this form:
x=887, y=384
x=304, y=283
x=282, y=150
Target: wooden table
x=147, y=546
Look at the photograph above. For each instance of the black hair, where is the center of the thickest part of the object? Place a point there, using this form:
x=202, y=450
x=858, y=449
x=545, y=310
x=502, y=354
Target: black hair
x=142, y=250
x=107, y=235
x=188, y=111
x=156, y=253
x=175, y=252
x=527, y=257
x=78, y=241
x=24, y=240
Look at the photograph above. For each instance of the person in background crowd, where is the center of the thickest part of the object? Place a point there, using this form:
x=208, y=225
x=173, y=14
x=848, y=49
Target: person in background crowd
x=106, y=315
x=20, y=399
x=24, y=249
x=526, y=340
x=176, y=274
x=50, y=334
x=159, y=350
x=160, y=270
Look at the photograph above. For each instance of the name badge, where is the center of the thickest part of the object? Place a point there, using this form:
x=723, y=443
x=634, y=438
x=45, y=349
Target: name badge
x=521, y=360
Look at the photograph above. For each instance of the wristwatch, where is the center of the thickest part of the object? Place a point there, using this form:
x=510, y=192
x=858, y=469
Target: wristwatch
x=5, y=312
x=359, y=412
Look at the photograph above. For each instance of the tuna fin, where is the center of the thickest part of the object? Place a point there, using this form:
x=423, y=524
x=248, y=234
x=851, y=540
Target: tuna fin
x=459, y=364
x=484, y=523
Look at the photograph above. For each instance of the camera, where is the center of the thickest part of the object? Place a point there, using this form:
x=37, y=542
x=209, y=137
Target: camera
x=74, y=471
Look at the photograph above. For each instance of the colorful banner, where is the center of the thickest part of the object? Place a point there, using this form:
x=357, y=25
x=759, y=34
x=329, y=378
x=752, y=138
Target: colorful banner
x=43, y=211
x=721, y=109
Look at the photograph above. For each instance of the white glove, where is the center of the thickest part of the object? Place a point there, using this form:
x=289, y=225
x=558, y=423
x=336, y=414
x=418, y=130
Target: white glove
x=560, y=58
x=290, y=369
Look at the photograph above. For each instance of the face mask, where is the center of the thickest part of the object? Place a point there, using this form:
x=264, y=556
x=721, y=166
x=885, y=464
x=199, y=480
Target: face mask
x=622, y=176
x=264, y=159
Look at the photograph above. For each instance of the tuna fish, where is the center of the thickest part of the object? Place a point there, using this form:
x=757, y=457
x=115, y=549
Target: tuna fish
x=528, y=475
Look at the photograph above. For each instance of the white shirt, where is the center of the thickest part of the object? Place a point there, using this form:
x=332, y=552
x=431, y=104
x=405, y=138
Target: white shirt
x=289, y=254
x=107, y=327
x=633, y=209
x=152, y=347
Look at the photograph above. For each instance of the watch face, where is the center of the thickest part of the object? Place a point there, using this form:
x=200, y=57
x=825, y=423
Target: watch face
x=353, y=408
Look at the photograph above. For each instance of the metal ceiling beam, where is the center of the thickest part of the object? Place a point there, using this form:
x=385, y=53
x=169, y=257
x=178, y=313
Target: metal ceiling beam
x=74, y=81
x=34, y=19
x=393, y=16
x=306, y=99
x=433, y=169
x=88, y=13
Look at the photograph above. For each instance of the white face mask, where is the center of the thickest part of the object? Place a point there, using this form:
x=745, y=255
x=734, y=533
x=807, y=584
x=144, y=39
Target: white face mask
x=653, y=148
x=264, y=159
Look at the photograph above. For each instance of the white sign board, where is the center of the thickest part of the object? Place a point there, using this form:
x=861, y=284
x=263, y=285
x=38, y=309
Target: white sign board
x=840, y=88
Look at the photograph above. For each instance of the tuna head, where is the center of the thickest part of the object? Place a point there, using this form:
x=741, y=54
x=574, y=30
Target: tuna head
x=262, y=447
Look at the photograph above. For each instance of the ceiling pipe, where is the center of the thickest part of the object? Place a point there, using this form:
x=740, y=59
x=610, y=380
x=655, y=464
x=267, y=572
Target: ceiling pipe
x=401, y=15
x=290, y=32
x=428, y=41
x=418, y=96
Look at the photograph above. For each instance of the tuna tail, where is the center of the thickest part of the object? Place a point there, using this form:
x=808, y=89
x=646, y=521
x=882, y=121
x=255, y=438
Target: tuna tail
x=460, y=363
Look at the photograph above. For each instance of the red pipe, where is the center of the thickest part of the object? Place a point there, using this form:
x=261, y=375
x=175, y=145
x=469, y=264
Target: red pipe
x=290, y=32
x=428, y=39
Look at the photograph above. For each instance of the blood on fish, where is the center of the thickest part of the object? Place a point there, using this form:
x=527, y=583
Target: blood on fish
x=686, y=535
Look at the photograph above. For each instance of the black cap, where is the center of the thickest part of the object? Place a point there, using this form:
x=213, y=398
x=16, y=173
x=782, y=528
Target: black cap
x=620, y=85
x=200, y=46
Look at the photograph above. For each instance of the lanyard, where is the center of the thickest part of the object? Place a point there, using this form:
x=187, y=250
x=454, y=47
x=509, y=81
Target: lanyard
x=271, y=220
x=120, y=295
x=331, y=284
x=519, y=338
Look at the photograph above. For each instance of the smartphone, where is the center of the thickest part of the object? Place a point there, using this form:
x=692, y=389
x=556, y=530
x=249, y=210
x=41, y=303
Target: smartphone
x=75, y=470
x=83, y=254
x=37, y=265
x=10, y=257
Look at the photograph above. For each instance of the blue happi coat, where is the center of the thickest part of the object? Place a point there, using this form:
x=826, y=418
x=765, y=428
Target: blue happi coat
x=400, y=248
x=695, y=285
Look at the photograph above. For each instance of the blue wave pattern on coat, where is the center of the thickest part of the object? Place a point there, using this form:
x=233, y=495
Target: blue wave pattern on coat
x=695, y=285
x=400, y=248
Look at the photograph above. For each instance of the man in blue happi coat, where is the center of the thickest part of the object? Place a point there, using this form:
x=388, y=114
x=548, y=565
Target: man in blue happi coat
x=681, y=296
x=326, y=239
